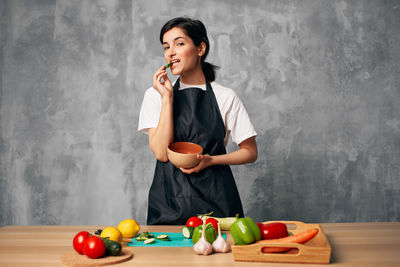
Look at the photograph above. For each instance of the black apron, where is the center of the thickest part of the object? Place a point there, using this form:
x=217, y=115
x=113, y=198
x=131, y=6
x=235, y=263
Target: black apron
x=175, y=196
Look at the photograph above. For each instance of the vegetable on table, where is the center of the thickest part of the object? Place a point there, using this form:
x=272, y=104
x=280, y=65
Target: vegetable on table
x=273, y=230
x=245, y=231
x=113, y=248
x=144, y=236
x=187, y=231
x=213, y=221
x=203, y=247
x=163, y=237
x=225, y=222
x=296, y=238
x=220, y=244
x=141, y=238
x=149, y=241
x=194, y=221
x=210, y=233
x=94, y=247
x=79, y=241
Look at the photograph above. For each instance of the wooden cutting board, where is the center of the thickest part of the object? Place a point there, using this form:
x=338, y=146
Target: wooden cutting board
x=316, y=250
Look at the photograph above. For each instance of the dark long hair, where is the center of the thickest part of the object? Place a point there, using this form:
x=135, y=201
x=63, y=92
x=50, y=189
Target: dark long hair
x=196, y=30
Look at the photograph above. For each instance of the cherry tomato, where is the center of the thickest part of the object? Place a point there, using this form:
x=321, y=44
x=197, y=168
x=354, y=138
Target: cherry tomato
x=273, y=230
x=214, y=223
x=193, y=222
x=80, y=241
x=94, y=247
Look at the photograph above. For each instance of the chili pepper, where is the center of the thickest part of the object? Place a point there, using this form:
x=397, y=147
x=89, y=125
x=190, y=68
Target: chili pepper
x=245, y=231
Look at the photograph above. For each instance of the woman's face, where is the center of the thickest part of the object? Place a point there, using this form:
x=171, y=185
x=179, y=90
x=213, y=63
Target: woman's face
x=181, y=51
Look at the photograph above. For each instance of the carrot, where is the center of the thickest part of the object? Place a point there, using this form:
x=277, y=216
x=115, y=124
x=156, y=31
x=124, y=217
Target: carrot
x=297, y=238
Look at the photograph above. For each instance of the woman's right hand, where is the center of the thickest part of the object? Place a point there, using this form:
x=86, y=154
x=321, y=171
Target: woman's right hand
x=162, y=84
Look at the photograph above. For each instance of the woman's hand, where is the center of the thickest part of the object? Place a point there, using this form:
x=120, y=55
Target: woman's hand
x=163, y=135
x=205, y=161
x=162, y=84
x=247, y=153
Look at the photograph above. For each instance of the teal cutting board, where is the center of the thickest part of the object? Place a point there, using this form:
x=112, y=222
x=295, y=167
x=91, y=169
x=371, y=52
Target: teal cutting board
x=177, y=240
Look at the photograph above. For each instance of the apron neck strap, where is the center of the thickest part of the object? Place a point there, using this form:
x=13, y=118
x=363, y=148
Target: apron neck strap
x=178, y=83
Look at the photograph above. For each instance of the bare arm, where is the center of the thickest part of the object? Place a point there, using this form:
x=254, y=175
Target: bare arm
x=163, y=135
x=247, y=153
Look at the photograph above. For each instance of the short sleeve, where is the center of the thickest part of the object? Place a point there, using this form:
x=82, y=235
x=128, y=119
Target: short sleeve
x=150, y=110
x=239, y=122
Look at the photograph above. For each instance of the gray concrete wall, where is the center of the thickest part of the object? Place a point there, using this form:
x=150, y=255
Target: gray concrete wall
x=320, y=80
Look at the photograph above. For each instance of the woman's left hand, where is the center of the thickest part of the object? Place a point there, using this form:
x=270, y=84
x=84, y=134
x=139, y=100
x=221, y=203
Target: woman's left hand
x=205, y=161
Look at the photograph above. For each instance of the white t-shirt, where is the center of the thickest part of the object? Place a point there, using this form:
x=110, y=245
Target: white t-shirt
x=237, y=122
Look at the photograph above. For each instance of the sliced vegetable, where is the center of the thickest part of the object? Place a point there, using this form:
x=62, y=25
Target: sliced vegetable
x=146, y=234
x=245, y=231
x=187, y=231
x=149, y=241
x=163, y=237
x=296, y=238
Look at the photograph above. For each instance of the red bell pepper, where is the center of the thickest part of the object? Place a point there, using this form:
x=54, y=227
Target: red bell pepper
x=273, y=230
x=214, y=223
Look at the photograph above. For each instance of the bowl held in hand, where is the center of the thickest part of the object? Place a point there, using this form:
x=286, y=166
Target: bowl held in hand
x=184, y=154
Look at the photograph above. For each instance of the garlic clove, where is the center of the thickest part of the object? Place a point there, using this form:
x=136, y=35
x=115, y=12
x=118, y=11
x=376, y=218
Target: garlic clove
x=202, y=247
x=220, y=244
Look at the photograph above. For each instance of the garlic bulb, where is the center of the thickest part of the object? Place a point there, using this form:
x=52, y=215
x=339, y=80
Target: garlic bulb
x=220, y=244
x=202, y=247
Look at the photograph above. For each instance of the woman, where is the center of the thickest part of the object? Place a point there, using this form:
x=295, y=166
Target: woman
x=195, y=109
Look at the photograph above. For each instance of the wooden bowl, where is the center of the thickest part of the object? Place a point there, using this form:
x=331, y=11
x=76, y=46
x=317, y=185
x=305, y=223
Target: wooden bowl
x=184, y=154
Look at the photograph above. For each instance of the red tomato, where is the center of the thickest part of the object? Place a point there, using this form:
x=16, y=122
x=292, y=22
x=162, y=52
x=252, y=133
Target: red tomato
x=273, y=230
x=193, y=222
x=94, y=247
x=80, y=241
x=214, y=223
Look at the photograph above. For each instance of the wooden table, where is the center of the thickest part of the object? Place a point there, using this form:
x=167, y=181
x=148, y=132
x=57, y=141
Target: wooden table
x=353, y=244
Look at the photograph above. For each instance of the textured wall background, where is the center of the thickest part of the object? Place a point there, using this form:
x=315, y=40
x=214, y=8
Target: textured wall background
x=321, y=80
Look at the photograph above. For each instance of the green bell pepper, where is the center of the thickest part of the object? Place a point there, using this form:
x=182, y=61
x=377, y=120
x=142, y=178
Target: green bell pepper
x=245, y=231
x=211, y=233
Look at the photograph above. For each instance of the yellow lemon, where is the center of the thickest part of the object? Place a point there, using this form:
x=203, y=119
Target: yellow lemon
x=129, y=228
x=112, y=233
